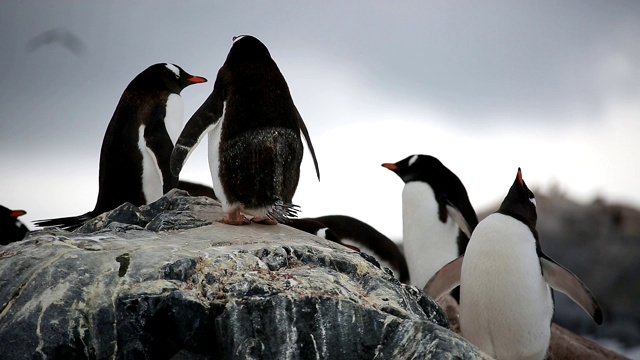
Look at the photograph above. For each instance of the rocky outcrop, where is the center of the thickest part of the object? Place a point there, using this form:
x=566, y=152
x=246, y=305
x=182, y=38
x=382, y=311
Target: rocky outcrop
x=165, y=282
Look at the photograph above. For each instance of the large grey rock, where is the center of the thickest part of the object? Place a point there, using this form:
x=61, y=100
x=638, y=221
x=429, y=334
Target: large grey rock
x=160, y=285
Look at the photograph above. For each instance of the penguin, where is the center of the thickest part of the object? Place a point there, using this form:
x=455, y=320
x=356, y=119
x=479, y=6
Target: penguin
x=506, y=302
x=254, y=128
x=197, y=189
x=314, y=227
x=437, y=216
x=357, y=233
x=358, y=236
x=137, y=146
x=11, y=228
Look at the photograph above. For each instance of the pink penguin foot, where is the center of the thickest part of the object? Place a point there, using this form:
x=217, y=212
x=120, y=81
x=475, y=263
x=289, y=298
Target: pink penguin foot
x=235, y=218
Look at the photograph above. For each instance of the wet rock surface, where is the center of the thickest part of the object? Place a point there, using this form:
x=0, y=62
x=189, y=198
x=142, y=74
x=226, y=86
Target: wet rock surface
x=167, y=281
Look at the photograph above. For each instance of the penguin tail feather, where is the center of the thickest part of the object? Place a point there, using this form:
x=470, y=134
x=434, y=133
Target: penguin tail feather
x=282, y=212
x=66, y=223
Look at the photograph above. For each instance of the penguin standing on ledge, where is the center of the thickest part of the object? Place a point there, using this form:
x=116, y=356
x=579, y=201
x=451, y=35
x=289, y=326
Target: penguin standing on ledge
x=137, y=146
x=506, y=305
x=255, y=146
x=437, y=216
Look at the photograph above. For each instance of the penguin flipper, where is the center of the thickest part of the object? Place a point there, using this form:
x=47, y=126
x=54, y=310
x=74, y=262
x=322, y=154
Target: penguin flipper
x=307, y=138
x=445, y=280
x=563, y=280
x=157, y=143
x=203, y=120
x=457, y=216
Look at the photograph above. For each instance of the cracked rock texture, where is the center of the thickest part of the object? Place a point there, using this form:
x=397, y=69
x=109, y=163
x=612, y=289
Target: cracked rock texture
x=167, y=281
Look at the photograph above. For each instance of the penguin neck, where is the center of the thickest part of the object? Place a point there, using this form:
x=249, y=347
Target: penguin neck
x=428, y=243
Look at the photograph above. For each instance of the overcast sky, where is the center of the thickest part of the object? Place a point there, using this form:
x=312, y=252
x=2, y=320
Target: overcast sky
x=486, y=87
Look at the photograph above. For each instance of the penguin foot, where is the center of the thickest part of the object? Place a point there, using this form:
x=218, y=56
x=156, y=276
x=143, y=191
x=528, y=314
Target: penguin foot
x=264, y=221
x=235, y=218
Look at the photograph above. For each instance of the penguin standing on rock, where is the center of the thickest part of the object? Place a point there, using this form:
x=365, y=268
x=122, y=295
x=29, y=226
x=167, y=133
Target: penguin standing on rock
x=437, y=216
x=255, y=146
x=137, y=146
x=506, y=305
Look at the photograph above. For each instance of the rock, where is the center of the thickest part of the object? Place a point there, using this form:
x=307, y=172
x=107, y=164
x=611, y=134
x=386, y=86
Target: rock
x=564, y=344
x=162, y=286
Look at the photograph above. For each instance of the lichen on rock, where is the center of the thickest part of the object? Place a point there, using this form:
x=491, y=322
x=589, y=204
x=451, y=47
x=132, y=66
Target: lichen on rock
x=167, y=281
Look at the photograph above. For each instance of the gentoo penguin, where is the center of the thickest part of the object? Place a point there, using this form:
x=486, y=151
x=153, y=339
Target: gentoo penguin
x=314, y=227
x=358, y=236
x=137, y=146
x=196, y=189
x=255, y=146
x=437, y=216
x=354, y=232
x=506, y=304
x=11, y=228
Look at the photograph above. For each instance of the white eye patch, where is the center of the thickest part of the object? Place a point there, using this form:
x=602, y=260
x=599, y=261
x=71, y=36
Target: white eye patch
x=238, y=37
x=533, y=200
x=413, y=160
x=173, y=69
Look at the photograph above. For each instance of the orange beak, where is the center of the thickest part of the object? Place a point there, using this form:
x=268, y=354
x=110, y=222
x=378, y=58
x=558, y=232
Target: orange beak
x=392, y=167
x=17, y=213
x=196, y=80
x=519, y=177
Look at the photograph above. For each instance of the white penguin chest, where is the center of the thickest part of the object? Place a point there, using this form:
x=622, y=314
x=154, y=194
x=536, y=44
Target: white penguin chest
x=505, y=303
x=214, y=161
x=428, y=243
x=174, y=116
x=152, y=182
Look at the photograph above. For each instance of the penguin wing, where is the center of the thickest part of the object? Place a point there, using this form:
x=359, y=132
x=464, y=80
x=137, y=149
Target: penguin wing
x=203, y=120
x=563, y=280
x=305, y=133
x=457, y=216
x=445, y=280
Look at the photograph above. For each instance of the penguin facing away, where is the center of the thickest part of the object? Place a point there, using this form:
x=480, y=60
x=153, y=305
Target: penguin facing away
x=437, y=216
x=137, y=146
x=358, y=236
x=11, y=228
x=506, y=304
x=255, y=146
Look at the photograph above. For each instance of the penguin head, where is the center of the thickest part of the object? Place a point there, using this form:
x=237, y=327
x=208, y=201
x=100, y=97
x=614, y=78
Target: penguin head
x=417, y=168
x=165, y=76
x=248, y=49
x=10, y=225
x=520, y=202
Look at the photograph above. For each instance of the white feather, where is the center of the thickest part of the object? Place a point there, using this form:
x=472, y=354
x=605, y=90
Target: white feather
x=214, y=160
x=505, y=303
x=174, y=69
x=151, y=176
x=428, y=243
x=174, y=116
